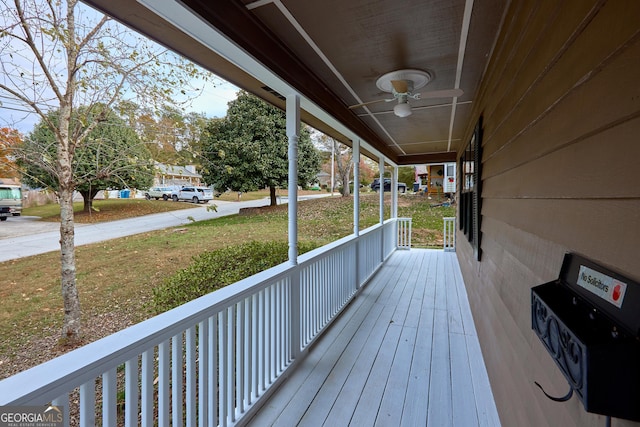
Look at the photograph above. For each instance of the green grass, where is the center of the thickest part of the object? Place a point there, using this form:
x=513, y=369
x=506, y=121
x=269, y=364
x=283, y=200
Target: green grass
x=107, y=210
x=121, y=274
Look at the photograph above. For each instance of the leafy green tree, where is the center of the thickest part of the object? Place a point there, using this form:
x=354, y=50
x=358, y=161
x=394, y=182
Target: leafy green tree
x=60, y=55
x=248, y=149
x=111, y=156
x=407, y=175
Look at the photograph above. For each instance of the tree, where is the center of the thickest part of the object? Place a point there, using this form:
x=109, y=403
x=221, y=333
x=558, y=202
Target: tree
x=407, y=174
x=9, y=140
x=172, y=137
x=247, y=150
x=111, y=156
x=62, y=55
x=343, y=158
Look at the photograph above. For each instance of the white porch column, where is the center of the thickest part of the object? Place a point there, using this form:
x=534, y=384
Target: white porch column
x=381, y=202
x=293, y=132
x=356, y=187
x=381, y=191
x=394, y=193
x=356, y=207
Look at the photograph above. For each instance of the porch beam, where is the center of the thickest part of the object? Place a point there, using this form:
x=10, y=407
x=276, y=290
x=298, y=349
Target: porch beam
x=414, y=159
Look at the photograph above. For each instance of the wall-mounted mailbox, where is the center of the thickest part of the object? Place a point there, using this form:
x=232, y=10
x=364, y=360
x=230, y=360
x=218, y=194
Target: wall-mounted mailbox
x=589, y=321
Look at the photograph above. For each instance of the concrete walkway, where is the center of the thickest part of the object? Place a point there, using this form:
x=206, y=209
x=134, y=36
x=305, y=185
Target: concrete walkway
x=25, y=236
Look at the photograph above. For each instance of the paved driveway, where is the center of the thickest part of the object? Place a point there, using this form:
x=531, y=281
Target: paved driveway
x=25, y=236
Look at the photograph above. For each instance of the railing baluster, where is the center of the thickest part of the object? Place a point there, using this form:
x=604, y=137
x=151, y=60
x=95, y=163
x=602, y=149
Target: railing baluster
x=88, y=403
x=213, y=392
x=255, y=343
x=190, y=397
x=246, y=397
x=176, y=380
x=223, y=367
x=203, y=372
x=231, y=366
x=163, y=384
x=63, y=401
x=240, y=370
x=449, y=234
x=109, y=397
x=262, y=332
x=147, y=417
x=131, y=392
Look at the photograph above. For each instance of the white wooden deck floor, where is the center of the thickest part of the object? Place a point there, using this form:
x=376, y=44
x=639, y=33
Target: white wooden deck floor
x=405, y=353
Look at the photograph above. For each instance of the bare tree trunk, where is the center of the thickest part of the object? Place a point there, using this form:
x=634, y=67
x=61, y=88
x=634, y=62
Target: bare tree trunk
x=272, y=196
x=346, y=187
x=71, y=300
x=345, y=164
x=71, y=326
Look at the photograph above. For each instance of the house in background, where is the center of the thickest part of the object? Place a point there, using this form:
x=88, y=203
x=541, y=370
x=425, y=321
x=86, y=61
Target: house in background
x=323, y=179
x=436, y=178
x=169, y=176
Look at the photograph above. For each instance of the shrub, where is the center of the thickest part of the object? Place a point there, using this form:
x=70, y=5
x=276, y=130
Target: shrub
x=213, y=270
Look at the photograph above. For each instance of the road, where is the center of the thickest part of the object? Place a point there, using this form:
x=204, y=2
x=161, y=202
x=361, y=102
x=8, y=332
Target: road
x=26, y=236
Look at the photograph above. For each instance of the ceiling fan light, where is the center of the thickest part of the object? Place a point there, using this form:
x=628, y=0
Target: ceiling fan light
x=402, y=110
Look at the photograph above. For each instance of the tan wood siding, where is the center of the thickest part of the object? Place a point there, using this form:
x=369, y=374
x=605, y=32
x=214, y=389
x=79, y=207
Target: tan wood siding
x=560, y=102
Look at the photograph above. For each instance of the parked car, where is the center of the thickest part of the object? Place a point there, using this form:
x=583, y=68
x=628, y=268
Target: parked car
x=375, y=185
x=10, y=201
x=193, y=194
x=158, y=193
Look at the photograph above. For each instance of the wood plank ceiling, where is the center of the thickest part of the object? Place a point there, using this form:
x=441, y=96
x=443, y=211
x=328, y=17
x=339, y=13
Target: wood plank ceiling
x=333, y=51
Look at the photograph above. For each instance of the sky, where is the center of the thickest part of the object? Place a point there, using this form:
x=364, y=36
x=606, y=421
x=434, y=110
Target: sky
x=212, y=101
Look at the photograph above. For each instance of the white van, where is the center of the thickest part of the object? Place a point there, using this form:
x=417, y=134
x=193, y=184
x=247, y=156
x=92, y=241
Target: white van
x=10, y=201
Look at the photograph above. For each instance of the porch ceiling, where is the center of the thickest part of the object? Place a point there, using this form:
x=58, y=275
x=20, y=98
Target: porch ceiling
x=333, y=51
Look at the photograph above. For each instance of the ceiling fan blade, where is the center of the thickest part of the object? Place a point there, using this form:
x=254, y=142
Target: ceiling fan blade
x=447, y=93
x=351, y=107
x=400, y=86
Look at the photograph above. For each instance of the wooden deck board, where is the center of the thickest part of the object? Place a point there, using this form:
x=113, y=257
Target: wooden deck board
x=404, y=352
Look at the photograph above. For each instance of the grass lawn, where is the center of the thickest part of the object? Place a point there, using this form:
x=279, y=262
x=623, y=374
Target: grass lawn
x=115, y=278
x=107, y=210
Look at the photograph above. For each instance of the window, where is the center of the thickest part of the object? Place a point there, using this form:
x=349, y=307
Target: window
x=470, y=184
x=10, y=193
x=450, y=170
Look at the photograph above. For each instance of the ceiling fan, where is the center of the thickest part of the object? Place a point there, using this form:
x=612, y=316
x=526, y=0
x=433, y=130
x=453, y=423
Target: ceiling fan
x=402, y=84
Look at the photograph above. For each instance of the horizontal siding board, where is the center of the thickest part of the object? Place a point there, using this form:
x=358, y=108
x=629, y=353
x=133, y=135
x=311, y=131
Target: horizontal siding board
x=588, y=112
x=582, y=170
x=539, y=41
x=603, y=229
x=575, y=64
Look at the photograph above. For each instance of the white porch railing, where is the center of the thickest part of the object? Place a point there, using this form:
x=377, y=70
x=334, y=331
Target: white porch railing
x=450, y=234
x=213, y=360
x=404, y=233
